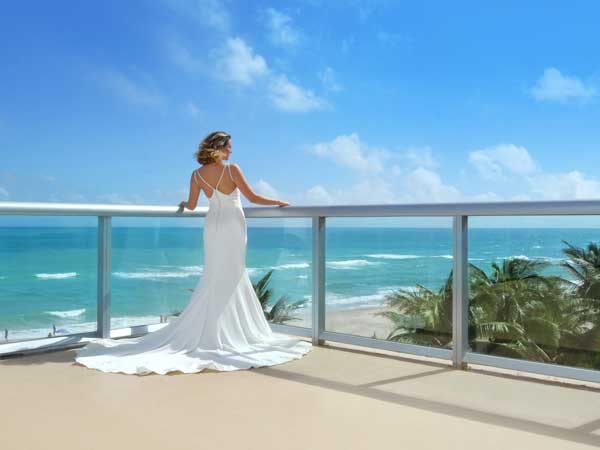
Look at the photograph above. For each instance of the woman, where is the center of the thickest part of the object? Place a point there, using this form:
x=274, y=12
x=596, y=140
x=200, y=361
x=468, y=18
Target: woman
x=223, y=326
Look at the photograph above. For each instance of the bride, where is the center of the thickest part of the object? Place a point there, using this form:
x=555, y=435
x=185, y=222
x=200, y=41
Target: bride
x=223, y=326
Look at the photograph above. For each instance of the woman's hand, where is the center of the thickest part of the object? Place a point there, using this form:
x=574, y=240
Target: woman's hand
x=281, y=203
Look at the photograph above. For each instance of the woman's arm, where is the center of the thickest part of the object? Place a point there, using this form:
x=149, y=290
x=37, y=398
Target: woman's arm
x=242, y=184
x=193, y=196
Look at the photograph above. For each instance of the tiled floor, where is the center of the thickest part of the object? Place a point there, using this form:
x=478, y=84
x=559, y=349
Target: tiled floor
x=336, y=397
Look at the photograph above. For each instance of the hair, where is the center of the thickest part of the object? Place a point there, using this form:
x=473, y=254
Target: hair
x=210, y=148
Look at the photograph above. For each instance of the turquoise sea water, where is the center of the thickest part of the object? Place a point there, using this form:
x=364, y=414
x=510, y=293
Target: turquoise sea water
x=48, y=275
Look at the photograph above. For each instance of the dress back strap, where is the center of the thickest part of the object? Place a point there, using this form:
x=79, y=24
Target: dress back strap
x=211, y=186
x=229, y=169
x=196, y=173
x=222, y=172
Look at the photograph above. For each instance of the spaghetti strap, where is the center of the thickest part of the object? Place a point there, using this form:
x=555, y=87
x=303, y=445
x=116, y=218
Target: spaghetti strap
x=195, y=177
x=214, y=188
x=222, y=172
x=229, y=169
x=204, y=180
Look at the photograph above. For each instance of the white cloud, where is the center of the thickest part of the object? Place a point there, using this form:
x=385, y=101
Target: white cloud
x=3, y=193
x=494, y=161
x=422, y=157
x=554, y=86
x=572, y=185
x=376, y=181
x=192, y=109
x=349, y=151
x=181, y=56
x=367, y=191
x=318, y=195
x=264, y=188
x=290, y=97
x=211, y=13
x=128, y=89
x=237, y=62
x=329, y=79
x=426, y=186
x=517, y=171
x=281, y=31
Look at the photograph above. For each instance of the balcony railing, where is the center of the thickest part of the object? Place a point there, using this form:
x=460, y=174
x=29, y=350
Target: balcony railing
x=460, y=354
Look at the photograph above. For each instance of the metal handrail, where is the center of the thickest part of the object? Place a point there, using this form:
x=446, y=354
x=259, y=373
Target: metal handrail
x=521, y=208
x=459, y=355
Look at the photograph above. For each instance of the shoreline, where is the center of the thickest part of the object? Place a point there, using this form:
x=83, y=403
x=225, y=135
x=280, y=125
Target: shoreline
x=357, y=321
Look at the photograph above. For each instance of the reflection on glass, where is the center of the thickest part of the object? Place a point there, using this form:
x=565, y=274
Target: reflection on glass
x=388, y=279
x=154, y=270
x=278, y=261
x=535, y=290
x=48, y=279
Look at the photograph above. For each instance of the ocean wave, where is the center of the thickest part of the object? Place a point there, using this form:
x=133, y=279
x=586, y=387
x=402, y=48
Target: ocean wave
x=66, y=314
x=350, y=264
x=443, y=256
x=302, y=277
x=303, y=265
x=392, y=256
x=185, y=272
x=254, y=270
x=341, y=301
x=55, y=276
x=195, y=269
x=550, y=259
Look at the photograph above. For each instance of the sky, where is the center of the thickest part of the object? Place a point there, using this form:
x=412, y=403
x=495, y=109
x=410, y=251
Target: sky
x=328, y=102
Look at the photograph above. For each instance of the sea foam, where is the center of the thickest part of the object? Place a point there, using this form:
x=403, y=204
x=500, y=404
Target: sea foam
x=391, y=256
x=55, y=276
x=66, y=314
x=351, y=264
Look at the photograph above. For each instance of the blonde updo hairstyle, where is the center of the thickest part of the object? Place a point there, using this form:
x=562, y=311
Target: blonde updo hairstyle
x=210, y=149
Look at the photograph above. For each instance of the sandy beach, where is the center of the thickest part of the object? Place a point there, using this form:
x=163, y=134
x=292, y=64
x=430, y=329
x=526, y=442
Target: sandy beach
x=359, y=321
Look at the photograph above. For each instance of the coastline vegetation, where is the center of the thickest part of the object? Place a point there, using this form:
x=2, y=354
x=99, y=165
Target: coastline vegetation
x=514, y=310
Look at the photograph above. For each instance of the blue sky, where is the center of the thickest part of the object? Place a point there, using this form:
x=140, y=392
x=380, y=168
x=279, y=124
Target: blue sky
x=328, y=102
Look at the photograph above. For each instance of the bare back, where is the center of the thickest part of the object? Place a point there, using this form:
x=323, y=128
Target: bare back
x=219, y=176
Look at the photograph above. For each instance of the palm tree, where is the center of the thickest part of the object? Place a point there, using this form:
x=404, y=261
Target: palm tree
x=584, y=266
x=424, y=317
x=282, y=310
x=514, y=311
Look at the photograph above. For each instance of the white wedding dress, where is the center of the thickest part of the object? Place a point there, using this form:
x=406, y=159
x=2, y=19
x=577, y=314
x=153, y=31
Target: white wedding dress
x=223, y=327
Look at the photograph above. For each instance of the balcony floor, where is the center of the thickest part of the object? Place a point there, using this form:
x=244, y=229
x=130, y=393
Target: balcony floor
x=336, y=397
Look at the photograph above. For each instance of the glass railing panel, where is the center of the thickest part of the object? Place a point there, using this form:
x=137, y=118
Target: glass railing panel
x=156, y=264
x=534, y=288
x=280, y=253
x=386, y=278
x=48, y=276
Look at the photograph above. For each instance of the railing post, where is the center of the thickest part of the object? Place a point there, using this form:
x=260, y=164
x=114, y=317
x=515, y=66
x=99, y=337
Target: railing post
x=460, y=291
x=104, y=252
x=318, y=279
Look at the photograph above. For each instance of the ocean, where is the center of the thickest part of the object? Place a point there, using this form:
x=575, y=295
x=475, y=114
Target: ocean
x=48, y=275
